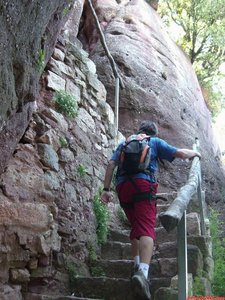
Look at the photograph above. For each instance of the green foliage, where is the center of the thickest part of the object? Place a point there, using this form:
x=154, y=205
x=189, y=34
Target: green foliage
x=218, y=244
x=202, y=27
x=200, y=31
x=67, y=9
x=82, y=171
x=40, y=63
x=213, y=98
x=72, y=271
x=102, y=217
x=66, y=103
x=95, y=270
x=92, y=253
x=63, y=142
x=198, y=287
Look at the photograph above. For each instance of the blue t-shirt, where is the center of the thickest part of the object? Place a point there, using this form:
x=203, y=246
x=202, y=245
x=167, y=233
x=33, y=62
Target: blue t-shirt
x=159, y=150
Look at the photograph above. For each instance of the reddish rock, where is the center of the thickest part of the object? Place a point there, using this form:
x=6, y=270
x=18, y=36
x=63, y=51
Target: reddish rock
x=160, y=85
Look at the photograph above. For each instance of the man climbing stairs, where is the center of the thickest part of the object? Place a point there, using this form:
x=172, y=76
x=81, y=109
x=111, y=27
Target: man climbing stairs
x=116, y=264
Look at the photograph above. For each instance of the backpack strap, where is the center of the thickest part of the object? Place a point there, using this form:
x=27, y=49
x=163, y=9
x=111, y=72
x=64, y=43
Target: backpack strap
x=139, y=196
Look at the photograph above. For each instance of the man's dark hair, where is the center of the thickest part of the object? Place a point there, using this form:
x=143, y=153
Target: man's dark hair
x=148, y=127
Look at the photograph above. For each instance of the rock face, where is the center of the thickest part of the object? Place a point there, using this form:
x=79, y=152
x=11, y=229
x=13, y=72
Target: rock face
x=29, y=32
x=159, y=85
x=47, y=220
x=49, y=182
x=51, y=165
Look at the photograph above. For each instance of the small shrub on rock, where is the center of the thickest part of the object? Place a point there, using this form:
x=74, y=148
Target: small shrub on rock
x=66, y=103
x=102, y=218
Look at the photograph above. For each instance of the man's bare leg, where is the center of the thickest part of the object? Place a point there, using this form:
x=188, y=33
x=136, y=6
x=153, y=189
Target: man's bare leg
x=140, y=279
x=135, y=252
x=146, y=245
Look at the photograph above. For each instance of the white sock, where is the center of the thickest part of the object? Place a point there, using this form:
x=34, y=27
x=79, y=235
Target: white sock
x=144, y=268
x=136, y=260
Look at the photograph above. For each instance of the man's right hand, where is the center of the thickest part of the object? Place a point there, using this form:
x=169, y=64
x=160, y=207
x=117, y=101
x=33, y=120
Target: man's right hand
x=106, y=197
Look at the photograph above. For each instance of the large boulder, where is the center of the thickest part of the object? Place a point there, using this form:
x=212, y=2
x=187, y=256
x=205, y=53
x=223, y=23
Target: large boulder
x=160, y=85
x=29, y=32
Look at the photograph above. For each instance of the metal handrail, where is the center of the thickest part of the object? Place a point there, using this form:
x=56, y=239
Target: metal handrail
x=175, y=216
x=118, y=79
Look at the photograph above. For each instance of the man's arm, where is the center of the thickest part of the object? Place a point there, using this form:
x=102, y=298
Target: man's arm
x=109, y=174
x=106, y=196
x=186, y=153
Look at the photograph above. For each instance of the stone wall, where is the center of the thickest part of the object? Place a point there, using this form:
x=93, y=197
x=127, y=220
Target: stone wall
x=29, y=31
x=47, y=220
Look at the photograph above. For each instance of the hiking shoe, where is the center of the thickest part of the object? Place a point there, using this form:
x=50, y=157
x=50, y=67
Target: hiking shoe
x=134, y=270
x=140, y=285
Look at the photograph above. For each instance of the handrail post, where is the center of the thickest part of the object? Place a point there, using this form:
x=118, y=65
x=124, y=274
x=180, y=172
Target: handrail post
x=182, y=258
x=200, y=193
x=117, y=89
x=201, y=199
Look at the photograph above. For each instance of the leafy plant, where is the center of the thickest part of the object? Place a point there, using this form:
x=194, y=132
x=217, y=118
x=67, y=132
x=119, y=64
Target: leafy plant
x=218, y=248
x=214, y=99
x=95, y=270
x=63, y=142
x=66, y=10
x=198, y=287
x=66, y=103
x=82, y=170
x=102, y=218
x=72, y=271
x=40, y=63
x=199, y=28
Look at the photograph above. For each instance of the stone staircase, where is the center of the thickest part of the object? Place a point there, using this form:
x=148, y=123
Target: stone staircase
x=32, y=296
x=116, y=264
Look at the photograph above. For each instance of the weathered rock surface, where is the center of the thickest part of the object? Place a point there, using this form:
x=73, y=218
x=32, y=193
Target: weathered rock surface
x=29, y=32
x=50, y=178
x=159, y=85
x=47, y=219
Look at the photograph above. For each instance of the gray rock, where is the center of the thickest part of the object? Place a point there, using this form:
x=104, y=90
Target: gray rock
x=48, y=156
x=55, y=82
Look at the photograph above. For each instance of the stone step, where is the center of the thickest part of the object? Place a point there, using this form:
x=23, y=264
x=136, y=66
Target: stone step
x=165, y=293
x=156, y=283
x=162, y=236
x=162, y=267
x=116, y=250
x=32, y=296
x=169, y=197
x=166, y=249
x=162, y=207
x=119, y=250
x=112, y=288
x=116, y=268
x=119, y=236
x=102, y=287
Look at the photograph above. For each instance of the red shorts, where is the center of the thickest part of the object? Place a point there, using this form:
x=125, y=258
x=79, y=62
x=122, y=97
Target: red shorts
x=141, y=214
